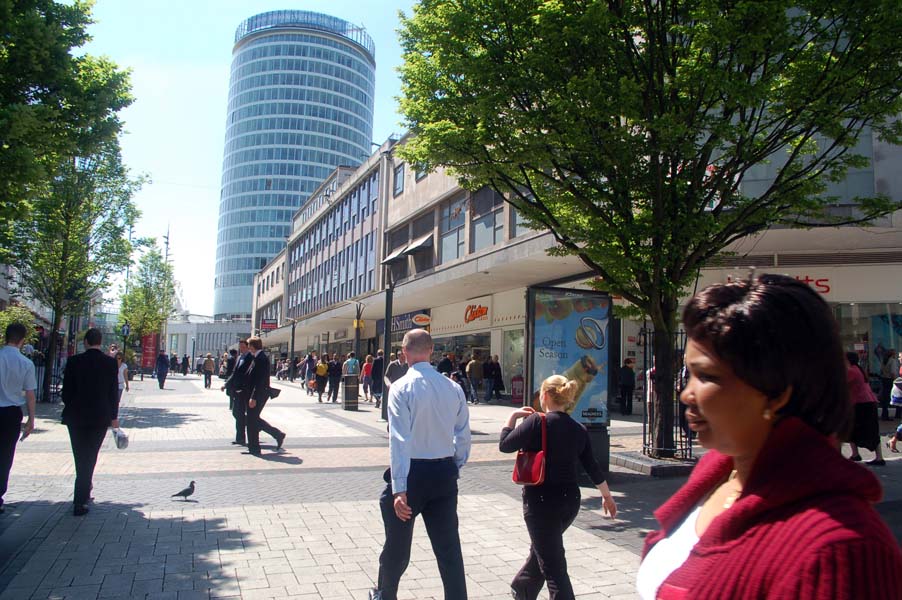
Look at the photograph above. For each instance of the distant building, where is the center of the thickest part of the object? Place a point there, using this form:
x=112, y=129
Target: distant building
x=300, y=104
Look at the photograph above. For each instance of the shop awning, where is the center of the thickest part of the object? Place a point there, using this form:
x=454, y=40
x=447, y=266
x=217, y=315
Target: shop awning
x=397, y=254
x=419, y=244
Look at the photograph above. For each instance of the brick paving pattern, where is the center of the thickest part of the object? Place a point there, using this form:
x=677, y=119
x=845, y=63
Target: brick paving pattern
x=301, y=523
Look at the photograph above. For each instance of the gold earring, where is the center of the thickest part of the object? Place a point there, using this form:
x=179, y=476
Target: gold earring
x=767, y=414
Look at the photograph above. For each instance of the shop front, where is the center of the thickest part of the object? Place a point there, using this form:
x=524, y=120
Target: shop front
x=866, y=301
x=463, y=330
x=401, y=324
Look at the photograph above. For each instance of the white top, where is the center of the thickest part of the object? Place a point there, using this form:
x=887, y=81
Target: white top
x=667, y=556
x=16, y=376
x=122, y=369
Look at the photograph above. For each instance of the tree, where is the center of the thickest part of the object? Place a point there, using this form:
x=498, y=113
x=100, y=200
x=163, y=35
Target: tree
x=76, y=237
x=19, y=314
x=52, y=104
x=149, y=299
x=628, y=127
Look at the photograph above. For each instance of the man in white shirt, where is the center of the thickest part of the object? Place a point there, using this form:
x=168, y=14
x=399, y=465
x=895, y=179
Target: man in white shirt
x=16, y=377
x=429, y=425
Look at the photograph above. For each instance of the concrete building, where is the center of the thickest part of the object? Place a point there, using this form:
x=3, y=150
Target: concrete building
x=300, y=104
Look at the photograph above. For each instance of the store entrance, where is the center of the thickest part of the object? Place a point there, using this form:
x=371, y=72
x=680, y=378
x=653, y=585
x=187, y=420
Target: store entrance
x=463, y=346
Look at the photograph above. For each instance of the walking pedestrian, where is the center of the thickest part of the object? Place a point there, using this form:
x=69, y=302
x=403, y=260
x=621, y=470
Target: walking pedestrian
x=865, y=424
x=396, y=370
x=186, y=365
x=334, y=373
x=627, y=387
x=366, y=377
x=772, y=509
x=91, y=398
x=310, y=363
x=551, y=507
x=498, y=374
x=17, y=388
x=236, y=386
x=209, y=366
x=488, y=378
x=378, y=372
x=429, y=443
x=889, y=370
x=322, y=376
x=162, y=368
x=445, y=366
x=122, y=370
x=351, y=366
x=474, y=376
x=258, y=386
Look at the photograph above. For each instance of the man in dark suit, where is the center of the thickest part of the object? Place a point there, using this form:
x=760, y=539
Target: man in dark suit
x=237, y=389
x=91, y=397
x=258, y=382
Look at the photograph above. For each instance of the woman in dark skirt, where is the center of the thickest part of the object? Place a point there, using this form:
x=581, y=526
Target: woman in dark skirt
x=866, y=430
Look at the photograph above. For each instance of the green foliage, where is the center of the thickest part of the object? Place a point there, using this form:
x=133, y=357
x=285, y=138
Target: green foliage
x=626, y=128
x=76, y=236
x=149, y=299
x=53, y=104
x=18, y=314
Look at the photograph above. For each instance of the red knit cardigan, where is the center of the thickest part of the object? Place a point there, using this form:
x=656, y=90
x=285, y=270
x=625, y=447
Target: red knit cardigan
x=804, y=527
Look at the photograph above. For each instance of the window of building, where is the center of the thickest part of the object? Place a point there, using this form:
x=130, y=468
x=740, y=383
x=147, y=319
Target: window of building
x=397, y=240
x=518, y=224
x=419, y=171
x=421, y=234
x=398, y=179
x=487, y=222
x=451, y=229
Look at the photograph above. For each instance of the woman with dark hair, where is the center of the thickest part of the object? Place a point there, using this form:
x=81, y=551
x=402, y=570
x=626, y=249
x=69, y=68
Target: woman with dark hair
x=865, y=424
x=772, y=510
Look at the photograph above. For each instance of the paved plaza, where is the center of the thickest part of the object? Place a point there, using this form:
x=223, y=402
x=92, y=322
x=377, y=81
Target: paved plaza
x=300, y=523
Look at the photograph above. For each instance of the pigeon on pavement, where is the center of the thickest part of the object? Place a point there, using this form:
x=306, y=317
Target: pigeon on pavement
x=185, y=492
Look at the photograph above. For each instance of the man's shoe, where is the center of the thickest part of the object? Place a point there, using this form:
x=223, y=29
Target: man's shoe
x=80, y=511
x=279, y=441
x=855, y=458
x=237, y=443
x=877, y=462
x=374, y=595
x=253, y=452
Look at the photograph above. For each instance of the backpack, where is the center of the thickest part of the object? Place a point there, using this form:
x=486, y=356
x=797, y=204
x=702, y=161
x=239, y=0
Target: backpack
x=353, y=366
x=322, y=369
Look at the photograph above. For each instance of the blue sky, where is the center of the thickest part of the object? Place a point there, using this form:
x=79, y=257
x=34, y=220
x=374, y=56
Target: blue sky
x=180, y=53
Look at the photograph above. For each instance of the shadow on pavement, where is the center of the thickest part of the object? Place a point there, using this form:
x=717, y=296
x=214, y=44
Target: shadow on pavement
x=285, y=459
x=119, y=551
x=136, y=417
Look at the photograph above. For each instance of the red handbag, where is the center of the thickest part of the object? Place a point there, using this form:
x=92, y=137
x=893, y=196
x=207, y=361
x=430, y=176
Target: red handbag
x=529, y=468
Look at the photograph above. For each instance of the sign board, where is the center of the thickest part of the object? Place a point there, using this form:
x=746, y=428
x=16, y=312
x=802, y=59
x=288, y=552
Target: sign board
x=568, y=335
x=403, y=322
x=462, y=317
x=149, y=345
x=269, y=324
x=421, y=320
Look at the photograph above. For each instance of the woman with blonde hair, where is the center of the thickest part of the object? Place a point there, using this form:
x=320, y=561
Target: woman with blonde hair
x=550, y=508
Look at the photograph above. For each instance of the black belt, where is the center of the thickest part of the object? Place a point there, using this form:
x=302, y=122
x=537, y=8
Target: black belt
x=431, y=460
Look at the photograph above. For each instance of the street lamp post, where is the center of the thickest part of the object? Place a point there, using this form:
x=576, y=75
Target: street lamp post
x=386, y=342
x=291, y=348
x=192, y=359
x=358, y=325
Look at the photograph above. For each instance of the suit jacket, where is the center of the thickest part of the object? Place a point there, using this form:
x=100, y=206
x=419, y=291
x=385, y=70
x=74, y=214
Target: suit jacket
x=237, y=381
x=90, y=390
x=258, y=379
x=230, y=365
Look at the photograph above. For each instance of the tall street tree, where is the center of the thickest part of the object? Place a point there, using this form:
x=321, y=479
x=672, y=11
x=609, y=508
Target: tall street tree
x=53, y=104
x=76, y=236
x=149, y=298
x=628, y=127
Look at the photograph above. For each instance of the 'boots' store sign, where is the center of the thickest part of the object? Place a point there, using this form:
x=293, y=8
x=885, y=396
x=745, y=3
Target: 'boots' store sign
x=471, y=315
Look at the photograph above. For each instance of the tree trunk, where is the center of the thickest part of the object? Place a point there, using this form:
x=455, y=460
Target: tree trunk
x=50, y=361
x=664, y=321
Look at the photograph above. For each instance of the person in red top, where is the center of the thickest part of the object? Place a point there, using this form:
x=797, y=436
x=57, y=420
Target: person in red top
x=366, y=377
x=866, y=426
x=772, y=510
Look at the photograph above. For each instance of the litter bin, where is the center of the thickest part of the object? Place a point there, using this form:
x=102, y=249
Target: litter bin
x=350, y=392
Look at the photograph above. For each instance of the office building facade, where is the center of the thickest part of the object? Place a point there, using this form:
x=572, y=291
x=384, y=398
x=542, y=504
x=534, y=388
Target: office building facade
x=301, y=99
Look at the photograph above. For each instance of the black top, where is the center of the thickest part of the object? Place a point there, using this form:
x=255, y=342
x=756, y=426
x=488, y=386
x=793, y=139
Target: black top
x=445, y=366
x=627, y=377
x=258, y=378
x=568, y=441
x=90, y=389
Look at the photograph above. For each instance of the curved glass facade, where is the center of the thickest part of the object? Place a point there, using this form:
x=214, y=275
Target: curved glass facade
x=300, y=104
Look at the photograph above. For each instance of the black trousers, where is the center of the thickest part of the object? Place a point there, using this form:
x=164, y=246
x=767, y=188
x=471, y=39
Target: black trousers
x=334, y=382
x=432, y=493
x=161, y=378
x=548, y=512
x=10, y=428
x=626, y=400
x=86, y=443
x=239, y=407
x=255, y=424
x=208, y=379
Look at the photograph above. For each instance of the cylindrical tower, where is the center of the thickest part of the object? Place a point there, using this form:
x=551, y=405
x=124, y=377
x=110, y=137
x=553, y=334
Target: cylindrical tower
x=300, y=104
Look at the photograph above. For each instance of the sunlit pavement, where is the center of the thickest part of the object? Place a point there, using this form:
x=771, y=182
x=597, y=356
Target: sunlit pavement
x=299, y=523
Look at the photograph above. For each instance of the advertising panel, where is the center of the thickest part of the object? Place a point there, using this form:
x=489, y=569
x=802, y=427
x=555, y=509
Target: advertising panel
x=569, y=336
x=149, y=344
